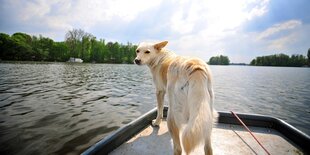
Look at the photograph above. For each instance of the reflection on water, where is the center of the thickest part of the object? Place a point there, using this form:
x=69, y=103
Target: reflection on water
x=282, y=92
x=63, y=108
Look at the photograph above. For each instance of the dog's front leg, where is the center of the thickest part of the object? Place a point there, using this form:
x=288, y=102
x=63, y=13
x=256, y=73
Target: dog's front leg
x=160, y=107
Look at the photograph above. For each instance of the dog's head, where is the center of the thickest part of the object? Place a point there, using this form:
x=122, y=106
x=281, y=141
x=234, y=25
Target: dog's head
x=148, y=51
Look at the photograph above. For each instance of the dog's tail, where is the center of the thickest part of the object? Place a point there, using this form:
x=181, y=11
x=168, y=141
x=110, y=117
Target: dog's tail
x=201, y=113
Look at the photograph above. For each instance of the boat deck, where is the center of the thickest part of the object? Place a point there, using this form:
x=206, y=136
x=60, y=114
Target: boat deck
x=226, y=139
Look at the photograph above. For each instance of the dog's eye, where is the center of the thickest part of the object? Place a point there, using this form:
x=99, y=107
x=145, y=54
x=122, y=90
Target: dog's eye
x=147, y=52
x=137, y=51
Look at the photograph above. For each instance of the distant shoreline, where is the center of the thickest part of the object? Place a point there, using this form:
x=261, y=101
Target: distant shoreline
x=239, y=64
x=53, y=62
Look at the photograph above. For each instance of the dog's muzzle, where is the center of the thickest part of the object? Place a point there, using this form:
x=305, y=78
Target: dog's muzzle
x=137, y=61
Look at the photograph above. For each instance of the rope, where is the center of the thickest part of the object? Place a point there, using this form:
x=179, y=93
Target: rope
x=249, y=131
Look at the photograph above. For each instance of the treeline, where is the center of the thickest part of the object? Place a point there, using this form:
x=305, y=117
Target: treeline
x=295, y=60
x=78, y=44
x=219, y=60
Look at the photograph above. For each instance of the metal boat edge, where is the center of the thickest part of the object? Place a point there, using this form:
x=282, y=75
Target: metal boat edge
x=123, y=134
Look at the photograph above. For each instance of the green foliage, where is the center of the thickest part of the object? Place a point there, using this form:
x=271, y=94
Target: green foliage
x=219, y=60
x=23, y=48
x=280, y=60
x=78, y=44
x=43, y=48
x=7, y=47
x=59, y=52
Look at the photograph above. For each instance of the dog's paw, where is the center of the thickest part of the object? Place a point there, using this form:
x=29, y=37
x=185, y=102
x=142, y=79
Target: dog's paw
x=156, y=122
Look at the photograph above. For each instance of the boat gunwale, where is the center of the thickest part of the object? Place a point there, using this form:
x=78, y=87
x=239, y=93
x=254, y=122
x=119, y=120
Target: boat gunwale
x=123, y=134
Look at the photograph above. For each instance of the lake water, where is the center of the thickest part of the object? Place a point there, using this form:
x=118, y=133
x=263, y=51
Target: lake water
x=62, y=108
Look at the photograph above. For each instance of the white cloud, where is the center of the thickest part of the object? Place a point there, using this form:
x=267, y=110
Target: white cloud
x=290, y=42
x=245, y=46
x=185, y=16
x=278, y=28
x=197, y=28
x=32, y=9
x=84, y=13
x=216, y=21
x=128, y=10
x=259, y=9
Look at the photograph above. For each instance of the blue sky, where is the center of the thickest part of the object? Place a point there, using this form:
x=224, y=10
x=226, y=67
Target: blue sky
x=240, y=29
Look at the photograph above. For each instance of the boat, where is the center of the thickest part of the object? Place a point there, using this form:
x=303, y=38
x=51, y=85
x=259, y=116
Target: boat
x=75, y=60
x=228, y=137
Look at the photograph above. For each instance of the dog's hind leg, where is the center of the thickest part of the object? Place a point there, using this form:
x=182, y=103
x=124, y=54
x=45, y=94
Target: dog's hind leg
x=174, y=132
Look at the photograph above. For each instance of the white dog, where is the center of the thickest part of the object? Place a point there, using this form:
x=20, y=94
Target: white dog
x=188, y=84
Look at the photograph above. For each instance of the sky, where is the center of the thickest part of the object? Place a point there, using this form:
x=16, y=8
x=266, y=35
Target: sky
x=239, y=29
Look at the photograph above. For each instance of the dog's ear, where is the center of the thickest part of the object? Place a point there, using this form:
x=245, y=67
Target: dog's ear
x=160, y=45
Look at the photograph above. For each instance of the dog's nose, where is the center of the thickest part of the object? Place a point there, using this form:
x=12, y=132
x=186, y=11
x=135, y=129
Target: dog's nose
x=137, y=61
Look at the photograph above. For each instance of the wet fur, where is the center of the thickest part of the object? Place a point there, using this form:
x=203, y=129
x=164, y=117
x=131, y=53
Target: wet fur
x=187, y=81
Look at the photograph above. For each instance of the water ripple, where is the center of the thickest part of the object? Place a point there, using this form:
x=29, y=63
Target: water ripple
x=71, y=106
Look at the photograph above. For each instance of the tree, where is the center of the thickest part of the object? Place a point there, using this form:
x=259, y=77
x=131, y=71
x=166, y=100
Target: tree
x=78, y=42
x=253, y=62
x=219, y=60
x=116, y=53
x=21, y=46
x=59, y=52
x=280, y=60
x=7, y=46
x=297, y=60
x=86, y=46
x=131, y=52
x=42, y=48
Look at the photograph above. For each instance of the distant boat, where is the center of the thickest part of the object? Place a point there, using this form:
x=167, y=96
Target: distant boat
x=75, y=60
